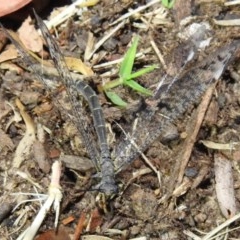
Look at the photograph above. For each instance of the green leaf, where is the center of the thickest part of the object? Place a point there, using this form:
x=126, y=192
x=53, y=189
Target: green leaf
x=168, y=3
x=171, y=4
x=112, y=84
x=142, y=71
x=115, y=99
x=127, y=63
x=134, y=85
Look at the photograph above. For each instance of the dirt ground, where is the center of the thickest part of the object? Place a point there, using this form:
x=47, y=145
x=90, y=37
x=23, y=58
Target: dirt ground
x=179, y=198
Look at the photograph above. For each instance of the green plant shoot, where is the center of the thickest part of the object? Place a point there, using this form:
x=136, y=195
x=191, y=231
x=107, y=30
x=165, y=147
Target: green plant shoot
x=168, y=3
x=126, y=76
x=115, y=99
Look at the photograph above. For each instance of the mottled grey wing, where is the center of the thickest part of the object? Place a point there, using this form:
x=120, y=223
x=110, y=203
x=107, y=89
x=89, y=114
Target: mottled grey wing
x=172, y=104
x=107, y=183
x=30, y=63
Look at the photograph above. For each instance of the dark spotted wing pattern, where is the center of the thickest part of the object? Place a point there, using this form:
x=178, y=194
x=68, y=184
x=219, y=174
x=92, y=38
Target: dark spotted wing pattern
x=184, y=93
x=107, y=184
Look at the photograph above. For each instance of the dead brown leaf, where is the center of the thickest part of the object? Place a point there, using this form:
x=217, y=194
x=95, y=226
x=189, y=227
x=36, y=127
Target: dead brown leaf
x=16, y=37
x=77, y=65
x=11, y=66
x=40, y=156
x=25, y=145
x=30, y=36
x=9, y=54
x=224, y=185
x=61, y=234
x=80, y=226
x=96, y=220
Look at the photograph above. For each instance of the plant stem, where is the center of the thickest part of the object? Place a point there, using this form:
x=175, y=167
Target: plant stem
x=112, y=84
